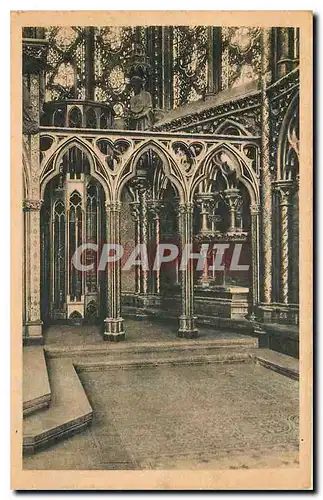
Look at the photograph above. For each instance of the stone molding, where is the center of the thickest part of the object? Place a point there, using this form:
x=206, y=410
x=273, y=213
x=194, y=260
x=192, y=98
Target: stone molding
x=32, y=205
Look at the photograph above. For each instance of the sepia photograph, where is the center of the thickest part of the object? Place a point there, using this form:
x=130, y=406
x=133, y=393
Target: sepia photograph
x=159, y=268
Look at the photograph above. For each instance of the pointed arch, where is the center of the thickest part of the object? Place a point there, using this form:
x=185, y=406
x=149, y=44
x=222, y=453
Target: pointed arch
x=75, y=117
x=75, y=193
x=245, y=173
x=283, y=139
x=169, y=167
x=231, y=124
x=56, y=159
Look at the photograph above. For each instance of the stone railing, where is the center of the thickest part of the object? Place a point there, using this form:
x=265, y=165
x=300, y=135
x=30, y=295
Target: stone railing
x=74, y=113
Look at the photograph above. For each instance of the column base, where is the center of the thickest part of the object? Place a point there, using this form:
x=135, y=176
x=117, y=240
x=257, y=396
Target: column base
x=114, y=329
x=33, y=333
x=187, y=327
x=252, y=316
x=265, y=313
x=263, y=336
x=209, y=95
x=204, y=282
x=279, y=313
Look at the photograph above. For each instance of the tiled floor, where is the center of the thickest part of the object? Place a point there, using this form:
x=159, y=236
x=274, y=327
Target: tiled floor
x=195, y=416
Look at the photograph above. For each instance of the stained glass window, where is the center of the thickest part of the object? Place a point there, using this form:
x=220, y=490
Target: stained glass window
x=190, y=63
x=92, y=233
x=59, y=255
x=113, y=47
x=75, y=240
x=95, y=62
x=65, y=75
x=241, y=56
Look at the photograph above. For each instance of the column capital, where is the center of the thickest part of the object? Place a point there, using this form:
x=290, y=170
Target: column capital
x=204, y=201
x=185, y=208
x=32, y=205
x=113, y=206
x=255, y=209
x=285, y=189
x=232, y=197
x=155, y=207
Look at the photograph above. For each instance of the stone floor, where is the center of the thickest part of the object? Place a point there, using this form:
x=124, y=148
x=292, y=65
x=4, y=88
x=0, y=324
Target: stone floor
x=181, y=417
x=144, y=330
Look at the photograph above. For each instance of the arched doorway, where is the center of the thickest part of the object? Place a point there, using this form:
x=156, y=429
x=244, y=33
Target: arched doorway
x=72, y=215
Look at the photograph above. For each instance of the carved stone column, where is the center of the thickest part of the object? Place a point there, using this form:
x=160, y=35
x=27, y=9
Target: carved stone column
x=266, y=188
x=155, y=207
x=284, y=189
x=294, y=292
x=33, y=322
x=135, y=213
x=215, y=221
x=187, y=327
x=205, y=201
x=113, y=324
x=255, y=213
x=144, y=221
x=233, y=200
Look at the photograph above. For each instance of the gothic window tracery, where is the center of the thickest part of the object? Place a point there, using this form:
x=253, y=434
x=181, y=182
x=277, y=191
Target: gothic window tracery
x=75, y=240
x=59, y=220
x=75, y=118
x=92, y=233
x=173, y=61
x=65, y=74
x=190, y=63
x=241, y=55
x=112, y=50
x=72, y=216
x=91, y=120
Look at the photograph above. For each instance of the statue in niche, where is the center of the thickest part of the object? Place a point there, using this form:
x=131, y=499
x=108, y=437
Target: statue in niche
x=141, y=113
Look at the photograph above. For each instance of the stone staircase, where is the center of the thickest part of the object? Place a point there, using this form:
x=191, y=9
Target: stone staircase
x=36, y=388
x=54, y=402
x=56, y=405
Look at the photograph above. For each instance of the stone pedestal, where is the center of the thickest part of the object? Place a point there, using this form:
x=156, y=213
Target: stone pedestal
x=33, y=333
x=265, y=313
x=187, y=327
x=113, y=329
x=222, y=301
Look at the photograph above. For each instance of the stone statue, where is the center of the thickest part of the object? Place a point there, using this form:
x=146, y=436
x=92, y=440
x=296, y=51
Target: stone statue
x=141, y=114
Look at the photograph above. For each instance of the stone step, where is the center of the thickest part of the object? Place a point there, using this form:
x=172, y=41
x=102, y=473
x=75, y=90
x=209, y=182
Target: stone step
x=129, y=349
x=278, y=362
x=185, y=358
x=36, y=388
x=69, y=411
